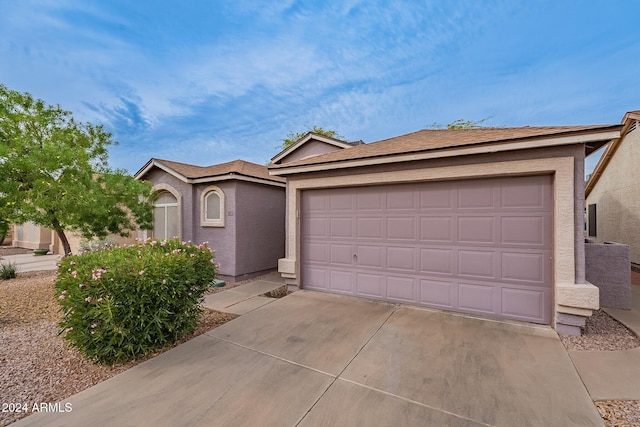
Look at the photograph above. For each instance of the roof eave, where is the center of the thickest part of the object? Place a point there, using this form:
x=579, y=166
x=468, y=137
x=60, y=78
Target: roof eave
x=309, y=136
x=599, y=134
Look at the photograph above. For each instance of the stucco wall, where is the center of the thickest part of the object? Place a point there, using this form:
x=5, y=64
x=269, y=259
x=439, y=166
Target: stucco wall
x=308, y=149
x=617, y=196
x=222, y=239
x=260, y=211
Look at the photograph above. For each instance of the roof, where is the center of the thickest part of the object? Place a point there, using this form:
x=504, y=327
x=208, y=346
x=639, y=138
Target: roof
x=627, y=121
x=432, y=140
x=313, y=136
x=236, y=169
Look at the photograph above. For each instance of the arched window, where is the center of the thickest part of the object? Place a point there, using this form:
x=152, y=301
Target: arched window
x=212, y=207
x=165, y=216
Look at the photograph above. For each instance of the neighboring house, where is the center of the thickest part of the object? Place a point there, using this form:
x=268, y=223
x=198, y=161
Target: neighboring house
x=31, y=236
x=613, y=191
x=237, y=207
x=486, y=221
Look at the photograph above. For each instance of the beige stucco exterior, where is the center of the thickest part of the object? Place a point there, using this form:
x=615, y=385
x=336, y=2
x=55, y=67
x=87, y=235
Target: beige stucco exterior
x=616, y=194
x=31, y=236
x=572, y=294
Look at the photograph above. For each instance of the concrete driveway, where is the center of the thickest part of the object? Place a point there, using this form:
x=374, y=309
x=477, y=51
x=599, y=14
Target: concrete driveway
x=313, y=359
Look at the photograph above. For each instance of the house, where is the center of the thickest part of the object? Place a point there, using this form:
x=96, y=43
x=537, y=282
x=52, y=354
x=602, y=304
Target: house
x=613, y=191
x=487, y=221
x=32, y=236
x=237, y=207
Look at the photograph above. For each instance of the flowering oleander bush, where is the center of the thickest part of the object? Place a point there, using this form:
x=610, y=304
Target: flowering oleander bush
x=124, y=302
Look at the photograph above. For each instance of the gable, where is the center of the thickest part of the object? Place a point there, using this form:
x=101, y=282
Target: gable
x=311, y=145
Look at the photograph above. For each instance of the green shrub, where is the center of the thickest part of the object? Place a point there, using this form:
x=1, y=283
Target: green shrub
x=125, y=302
x=96, y=245
x=8, y=270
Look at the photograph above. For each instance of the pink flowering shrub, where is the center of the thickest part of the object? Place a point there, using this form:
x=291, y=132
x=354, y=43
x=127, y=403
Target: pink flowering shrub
x=125, y=302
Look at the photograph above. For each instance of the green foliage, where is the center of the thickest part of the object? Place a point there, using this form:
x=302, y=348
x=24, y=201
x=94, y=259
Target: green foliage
x=125, y=302
x=8, y=271
x=461, y=124
x=96, y=245
x=54, y=172
x=293, y=137
x=4, y=227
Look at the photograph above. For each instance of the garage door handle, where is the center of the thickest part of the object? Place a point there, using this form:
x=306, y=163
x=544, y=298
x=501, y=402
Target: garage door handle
x=355, y=257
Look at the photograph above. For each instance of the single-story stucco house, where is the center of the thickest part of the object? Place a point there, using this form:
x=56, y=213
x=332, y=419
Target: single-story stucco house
x=613, y=191
x=487, y=221
x=236, y=206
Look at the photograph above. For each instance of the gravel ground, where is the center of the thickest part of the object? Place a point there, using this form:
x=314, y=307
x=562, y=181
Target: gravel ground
x=604, y=333
x=37, y=365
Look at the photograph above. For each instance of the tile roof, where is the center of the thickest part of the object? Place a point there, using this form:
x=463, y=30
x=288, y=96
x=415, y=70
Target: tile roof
x=239, y=167
x=439, y=139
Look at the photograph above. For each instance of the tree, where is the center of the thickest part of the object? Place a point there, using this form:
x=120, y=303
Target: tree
x=293, y=137
x=461, y=124
x=55, y=173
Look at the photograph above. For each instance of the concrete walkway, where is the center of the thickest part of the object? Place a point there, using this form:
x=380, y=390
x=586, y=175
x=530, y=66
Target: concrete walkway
x=245, y=298
x=312, y=359
x=614, y=375
x=30, y=262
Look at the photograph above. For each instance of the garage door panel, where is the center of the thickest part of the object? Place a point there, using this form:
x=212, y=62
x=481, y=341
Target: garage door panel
x=340, y=202
x=524, y=304
x=401, y=258
x=478, y=298
x=371, y=256
x=341, y=227
x=526, y=267
x=401, y=289
x=526, y=193
x=436, y=229
x=316, y=278
x=341, y=281
x=341, y=254
x=367, y=200
x=476, y=229
x=438, y=293
x=476, y=196
x=440, y=196
x=401, y=199
x=401, y=228
x=317, y=252
x=523, y=230
x=315, y=227
x=479, y=264
x=476, y=246
x=437, y=261
x=371, y=285
x=370, y=228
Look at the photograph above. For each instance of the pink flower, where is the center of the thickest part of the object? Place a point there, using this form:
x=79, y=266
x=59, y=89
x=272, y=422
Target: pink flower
x=74, y=274
x=141, y=272
x=82, y=285
x=164, y=281
x=100, y=299
x=62, y=297
x=192, y=255
x=163, y=243
x=153, y=242
x=89, y=299
x=72, y=263
x=94, y=325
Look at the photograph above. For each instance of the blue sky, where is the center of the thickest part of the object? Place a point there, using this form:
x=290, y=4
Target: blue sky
x=206, y=82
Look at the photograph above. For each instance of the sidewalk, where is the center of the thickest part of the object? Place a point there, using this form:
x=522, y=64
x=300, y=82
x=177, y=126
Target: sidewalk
x=245, y=298
x=614, y=375
x=30, y=262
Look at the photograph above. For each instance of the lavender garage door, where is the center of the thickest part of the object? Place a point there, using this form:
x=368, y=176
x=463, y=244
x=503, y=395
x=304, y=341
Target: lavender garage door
x=478, y=246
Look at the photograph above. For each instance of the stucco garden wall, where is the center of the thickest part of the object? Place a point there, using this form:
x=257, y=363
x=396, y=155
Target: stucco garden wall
x=617, y=196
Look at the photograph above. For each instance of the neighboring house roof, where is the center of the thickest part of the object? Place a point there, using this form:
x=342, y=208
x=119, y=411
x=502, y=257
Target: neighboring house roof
x=628, y=121
x=317, y=137
x=237, y=169
x=431, y=143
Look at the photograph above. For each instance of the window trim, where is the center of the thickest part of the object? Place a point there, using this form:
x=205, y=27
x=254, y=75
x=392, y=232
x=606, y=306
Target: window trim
x=204, y=221
x=166, y=187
